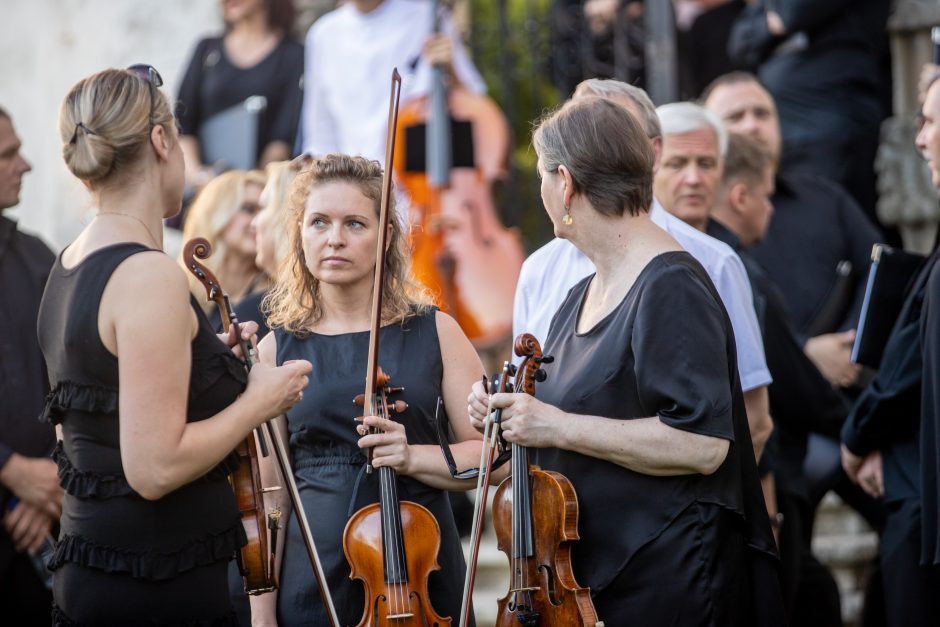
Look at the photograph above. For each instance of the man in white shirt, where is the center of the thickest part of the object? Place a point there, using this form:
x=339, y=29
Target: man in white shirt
x=349, y=56
x=550, y=272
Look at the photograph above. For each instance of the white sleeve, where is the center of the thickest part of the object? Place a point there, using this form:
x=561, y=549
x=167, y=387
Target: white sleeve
x=735, y=291
x=319, y=129
x=520, y=305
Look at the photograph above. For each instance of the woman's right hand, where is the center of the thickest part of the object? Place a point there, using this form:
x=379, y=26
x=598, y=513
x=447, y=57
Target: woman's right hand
x=277, y=389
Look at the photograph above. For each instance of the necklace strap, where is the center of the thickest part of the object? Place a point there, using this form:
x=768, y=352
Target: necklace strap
x=156, y=241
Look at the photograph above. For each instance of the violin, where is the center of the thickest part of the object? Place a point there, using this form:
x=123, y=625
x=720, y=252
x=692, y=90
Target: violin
x=257, y=558
x=542, y=588
x=392, y=545
x=461, y=251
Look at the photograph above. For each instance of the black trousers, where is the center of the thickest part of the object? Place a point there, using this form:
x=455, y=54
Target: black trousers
x=24, y=600
x=912, y=591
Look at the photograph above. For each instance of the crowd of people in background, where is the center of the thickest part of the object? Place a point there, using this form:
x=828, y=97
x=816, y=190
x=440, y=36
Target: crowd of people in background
x=702, y=296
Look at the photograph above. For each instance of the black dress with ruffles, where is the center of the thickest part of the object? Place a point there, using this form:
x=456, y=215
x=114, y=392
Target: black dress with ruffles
x=121, y=559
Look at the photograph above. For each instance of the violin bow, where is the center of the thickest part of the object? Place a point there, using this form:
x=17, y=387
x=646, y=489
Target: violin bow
x=490, y=435
x=200, y=247
x=372, y=368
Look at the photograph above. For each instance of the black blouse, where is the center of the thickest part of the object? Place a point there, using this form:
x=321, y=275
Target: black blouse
x=212, y=84
x=666, y=350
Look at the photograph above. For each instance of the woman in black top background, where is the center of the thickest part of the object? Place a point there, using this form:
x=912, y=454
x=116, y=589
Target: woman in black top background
x=255, y=56
x=149, y=402
x=642, y=407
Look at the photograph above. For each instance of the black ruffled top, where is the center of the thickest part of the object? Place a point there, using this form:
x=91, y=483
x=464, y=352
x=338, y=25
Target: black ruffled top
x=105, y=524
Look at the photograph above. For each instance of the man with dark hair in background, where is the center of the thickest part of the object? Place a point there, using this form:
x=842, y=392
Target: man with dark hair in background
x=30, y=496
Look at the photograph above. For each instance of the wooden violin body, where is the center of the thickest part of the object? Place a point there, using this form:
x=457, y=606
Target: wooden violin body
x=537, y=540
x=557, y=598
x=395, y=603
x=255, y=560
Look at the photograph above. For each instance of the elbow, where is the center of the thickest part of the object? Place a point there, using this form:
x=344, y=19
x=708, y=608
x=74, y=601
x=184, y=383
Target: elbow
x=151, y=486
x=713, y=456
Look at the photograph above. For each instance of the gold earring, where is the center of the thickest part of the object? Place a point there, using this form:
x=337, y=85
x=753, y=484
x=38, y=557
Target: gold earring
x=567, y=219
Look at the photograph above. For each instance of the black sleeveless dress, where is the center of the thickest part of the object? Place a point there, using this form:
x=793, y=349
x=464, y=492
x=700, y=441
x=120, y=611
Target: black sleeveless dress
x=690, y=550
x=329, y=465
x=121, y=559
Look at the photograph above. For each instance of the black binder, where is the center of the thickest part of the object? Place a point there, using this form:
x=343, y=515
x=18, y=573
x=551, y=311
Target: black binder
x=890, y=276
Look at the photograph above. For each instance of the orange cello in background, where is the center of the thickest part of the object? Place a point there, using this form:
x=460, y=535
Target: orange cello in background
x=462, y=251
x=537, y=540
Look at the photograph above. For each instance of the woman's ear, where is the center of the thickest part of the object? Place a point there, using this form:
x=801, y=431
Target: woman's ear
x=161, y=141
x=568, y=182
x=388, y=236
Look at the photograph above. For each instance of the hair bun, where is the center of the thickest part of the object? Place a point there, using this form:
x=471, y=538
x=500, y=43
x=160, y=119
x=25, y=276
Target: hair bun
x=89, y=156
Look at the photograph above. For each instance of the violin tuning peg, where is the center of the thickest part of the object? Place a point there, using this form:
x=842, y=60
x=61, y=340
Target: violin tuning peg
x=360, y=400
x=394, y=390
x=399, y=407
x=359, y=418
x=540, y=375
x=513, y=369
x=546, y=359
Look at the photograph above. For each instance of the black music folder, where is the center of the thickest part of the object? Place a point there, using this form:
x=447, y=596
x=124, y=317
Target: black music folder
x=891, y=273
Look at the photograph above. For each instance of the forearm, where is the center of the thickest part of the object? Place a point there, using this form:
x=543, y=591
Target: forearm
x=427, y=464
x=759, y=422
x=275, y=151
x=644, y=445
x=164, y=465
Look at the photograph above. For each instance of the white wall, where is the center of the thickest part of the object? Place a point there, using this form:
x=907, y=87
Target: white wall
x=45, y=47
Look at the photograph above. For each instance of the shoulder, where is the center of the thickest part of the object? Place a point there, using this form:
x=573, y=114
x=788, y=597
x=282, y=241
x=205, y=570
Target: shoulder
x=292, y=49
x=557, y=256
x=152, y=274
x=675, y=282
x=35, y=249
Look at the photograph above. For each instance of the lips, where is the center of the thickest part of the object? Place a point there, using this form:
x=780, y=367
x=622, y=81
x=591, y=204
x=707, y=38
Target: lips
x=335, y=260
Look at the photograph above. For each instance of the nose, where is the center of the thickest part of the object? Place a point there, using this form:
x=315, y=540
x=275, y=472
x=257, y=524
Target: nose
x=692, y=175
x=921, y=139
x=336, y=239
x=24, y=166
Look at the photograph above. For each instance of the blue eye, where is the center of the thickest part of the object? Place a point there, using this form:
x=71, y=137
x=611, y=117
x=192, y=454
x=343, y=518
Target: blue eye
x=318, y=222
x=356, y=224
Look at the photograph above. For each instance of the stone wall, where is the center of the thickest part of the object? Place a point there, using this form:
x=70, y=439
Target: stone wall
x=46, y=46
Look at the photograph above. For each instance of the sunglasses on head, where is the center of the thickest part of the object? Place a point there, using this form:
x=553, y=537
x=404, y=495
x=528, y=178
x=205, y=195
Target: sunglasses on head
x=153, y=78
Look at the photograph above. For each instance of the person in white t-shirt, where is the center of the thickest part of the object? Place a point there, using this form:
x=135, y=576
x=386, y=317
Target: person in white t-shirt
x=550, y=272
x=349, y=56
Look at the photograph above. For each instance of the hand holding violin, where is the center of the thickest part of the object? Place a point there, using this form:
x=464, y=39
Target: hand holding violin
x=439, y=51
x=277, y=389
x=525, y=420
x=390, y=446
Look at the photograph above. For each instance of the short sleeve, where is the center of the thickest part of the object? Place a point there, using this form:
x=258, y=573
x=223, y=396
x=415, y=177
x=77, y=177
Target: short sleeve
x=734, y=288
x=680, y=349
x=187, y=107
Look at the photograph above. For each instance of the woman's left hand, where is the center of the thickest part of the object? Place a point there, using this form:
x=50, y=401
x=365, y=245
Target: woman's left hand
x=389, y=448
x=248, y=329
x=528, y=421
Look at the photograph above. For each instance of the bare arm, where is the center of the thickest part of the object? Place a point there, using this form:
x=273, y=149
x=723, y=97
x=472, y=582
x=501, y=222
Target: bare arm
x=274, y=151
x=759, y=422
x=645, y=445
x=197, y=173
x=146, y=320
x=425, y=462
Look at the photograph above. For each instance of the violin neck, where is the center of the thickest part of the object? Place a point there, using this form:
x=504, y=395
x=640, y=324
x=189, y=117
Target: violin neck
x=393, y=542
x=522, y=537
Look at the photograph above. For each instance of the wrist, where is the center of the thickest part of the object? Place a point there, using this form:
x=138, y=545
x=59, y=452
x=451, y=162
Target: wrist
x=9, y=469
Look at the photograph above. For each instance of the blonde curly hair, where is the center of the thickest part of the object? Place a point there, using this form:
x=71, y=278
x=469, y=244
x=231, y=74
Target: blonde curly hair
x=293, y=304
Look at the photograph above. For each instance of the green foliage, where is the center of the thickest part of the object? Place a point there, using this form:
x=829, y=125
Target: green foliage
x=510, y=43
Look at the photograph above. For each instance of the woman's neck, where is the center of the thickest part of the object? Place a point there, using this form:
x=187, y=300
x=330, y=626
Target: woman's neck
x=620, y=247
x=346, y=308
x=140, y=206
x=238, y=272
x=252, y=27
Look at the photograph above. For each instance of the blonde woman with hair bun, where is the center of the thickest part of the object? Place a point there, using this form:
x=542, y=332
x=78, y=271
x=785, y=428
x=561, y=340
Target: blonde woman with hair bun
x=149, y=403
x=319, y=309
x=222, y=214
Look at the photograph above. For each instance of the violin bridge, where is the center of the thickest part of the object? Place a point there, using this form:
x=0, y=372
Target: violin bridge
x=400, y=616
x=530, y=589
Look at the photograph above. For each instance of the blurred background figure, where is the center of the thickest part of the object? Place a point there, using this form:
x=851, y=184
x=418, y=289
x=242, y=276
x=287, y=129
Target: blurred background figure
x=824, y=63
x=222, y=213
x=30, y=496
x=239, y=101
x=270, y=228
